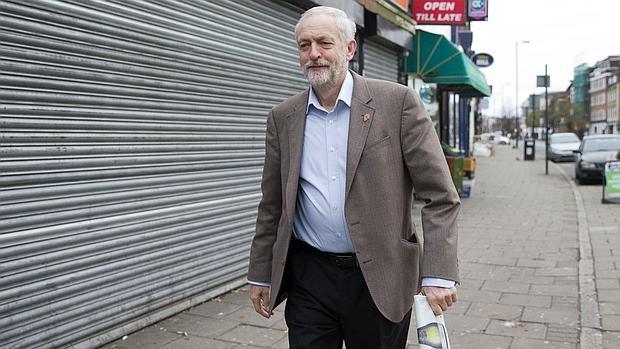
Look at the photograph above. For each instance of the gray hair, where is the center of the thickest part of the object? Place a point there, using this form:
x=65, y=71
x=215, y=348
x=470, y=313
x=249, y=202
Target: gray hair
x=345, y=25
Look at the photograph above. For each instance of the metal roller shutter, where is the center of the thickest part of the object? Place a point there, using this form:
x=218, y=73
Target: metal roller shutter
x=132, y=142
x=380, y=62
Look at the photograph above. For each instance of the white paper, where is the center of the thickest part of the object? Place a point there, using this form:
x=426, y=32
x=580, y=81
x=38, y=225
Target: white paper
x=432, y=333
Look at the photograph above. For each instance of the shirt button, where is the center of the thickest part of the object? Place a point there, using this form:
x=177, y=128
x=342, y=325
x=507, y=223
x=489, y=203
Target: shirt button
x=333, y=178
x=331, y=122
x=334, y=207
x=339, y=235
x=332, y=149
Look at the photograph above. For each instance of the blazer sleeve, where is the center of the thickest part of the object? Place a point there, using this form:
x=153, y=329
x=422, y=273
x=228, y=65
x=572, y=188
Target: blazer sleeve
x=432, y=183
x=269, y=209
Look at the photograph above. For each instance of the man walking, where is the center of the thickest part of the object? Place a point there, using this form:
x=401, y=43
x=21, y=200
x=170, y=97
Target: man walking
x=334, y=233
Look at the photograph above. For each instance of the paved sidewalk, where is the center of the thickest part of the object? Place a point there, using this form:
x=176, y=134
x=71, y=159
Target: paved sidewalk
x=519, y=254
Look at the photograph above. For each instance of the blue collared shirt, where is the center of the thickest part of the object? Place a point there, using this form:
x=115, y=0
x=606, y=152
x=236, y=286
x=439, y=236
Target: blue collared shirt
x=319, y=216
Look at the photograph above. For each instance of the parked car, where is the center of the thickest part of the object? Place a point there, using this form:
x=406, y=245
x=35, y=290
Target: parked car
x=562, y=146
x=499, y=139
x=592, y=155
x=494, y=138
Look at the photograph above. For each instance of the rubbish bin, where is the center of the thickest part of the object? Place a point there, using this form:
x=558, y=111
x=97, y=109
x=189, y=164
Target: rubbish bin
x=529, y=149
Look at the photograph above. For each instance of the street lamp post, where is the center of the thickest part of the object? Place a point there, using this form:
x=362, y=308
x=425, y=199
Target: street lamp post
x=517, y=90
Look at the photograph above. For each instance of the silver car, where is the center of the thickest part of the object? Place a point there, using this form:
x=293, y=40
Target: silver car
x=562, y=146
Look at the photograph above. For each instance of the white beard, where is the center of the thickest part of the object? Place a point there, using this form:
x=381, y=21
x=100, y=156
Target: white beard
x=325, y=76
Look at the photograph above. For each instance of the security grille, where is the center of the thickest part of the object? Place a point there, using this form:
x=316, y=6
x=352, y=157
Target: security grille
x=380, y=62
x=132, y=142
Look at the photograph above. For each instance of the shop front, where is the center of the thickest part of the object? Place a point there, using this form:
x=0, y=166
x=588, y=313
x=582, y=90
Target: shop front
x=436, y=65
x=435, y=60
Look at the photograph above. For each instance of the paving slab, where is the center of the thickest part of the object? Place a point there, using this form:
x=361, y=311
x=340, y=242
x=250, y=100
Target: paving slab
x=197, y=343
x=525, y=300
x=480, y=341
x=563, y=316
x=253, y=335
x=495, y=311
x=527, y=343
x=562, y=333
x=459, y=324
x=517, y=329
x=611, y=340
x=150, y=337
x=195, y=325
x=610, y=322
x=555, y=290
x=510, y=287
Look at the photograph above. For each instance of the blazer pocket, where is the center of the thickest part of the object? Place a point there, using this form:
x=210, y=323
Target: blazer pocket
x=375, y=144
x=413, y=238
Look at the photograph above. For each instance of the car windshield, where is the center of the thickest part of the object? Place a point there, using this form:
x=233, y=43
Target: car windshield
x=601, y=144
x=563, y=138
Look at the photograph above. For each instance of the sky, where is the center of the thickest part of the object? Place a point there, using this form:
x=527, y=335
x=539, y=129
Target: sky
x=561, y=34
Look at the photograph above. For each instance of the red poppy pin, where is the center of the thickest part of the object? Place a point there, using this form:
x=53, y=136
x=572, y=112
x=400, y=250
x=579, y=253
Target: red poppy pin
x=366, y=117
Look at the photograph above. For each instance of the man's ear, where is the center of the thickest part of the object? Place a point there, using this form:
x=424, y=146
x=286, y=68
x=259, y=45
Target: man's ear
x=351, y=47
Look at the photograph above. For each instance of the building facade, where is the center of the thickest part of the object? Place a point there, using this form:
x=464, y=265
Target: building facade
x=580, y=99
x=600, y=76
x=613, y=104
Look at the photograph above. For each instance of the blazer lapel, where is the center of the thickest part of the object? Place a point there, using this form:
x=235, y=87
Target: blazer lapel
x=359, y=123
x=296, y=125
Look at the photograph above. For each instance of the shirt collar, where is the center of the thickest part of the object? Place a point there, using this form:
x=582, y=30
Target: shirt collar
x=345, y=94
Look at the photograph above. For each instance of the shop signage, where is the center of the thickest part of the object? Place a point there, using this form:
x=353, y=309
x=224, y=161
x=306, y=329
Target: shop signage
x=612, y=178
x=438, y=12
x=482, y=59
x=478, y=10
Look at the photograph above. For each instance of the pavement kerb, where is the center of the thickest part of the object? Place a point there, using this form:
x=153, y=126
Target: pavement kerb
x=590, y=334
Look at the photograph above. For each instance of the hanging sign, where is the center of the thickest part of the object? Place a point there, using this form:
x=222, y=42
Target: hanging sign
x=438, y=12
x=482, y=59
x=478, y=10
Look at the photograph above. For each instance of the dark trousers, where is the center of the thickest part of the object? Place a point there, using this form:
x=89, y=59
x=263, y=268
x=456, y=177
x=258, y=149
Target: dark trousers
x=328, y=303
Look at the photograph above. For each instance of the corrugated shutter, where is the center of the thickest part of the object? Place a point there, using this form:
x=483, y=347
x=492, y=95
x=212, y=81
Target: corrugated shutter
x=380, y=62
x=132, y=142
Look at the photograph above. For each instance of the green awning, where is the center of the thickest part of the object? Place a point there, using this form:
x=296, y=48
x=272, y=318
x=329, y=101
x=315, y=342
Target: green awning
x=436, y=60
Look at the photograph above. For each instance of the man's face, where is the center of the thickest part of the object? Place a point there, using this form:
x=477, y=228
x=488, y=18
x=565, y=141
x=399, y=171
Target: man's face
x=323, y=56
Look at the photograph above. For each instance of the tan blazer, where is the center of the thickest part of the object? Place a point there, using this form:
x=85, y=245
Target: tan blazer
x=392, y=147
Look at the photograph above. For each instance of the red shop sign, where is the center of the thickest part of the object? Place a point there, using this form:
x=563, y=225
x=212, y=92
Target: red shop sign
x=439, y=12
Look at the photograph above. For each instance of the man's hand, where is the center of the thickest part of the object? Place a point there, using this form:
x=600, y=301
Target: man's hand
x=260, y=298
x=439, y=298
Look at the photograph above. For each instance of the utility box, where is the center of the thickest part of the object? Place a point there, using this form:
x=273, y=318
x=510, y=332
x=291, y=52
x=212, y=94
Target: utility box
x=529, y=149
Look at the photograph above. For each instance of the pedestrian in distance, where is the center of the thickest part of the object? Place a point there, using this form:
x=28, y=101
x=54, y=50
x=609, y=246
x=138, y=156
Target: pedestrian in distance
x=334, y=234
